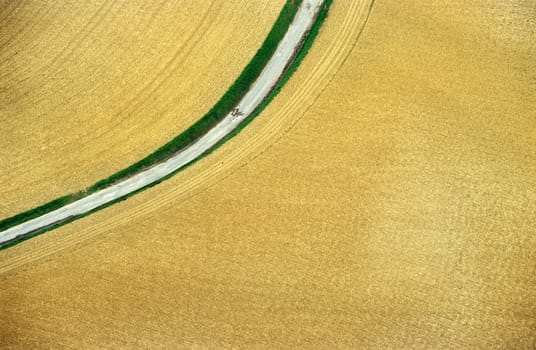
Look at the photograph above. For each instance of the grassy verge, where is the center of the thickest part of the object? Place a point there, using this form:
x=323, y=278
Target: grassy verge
x=218, y=112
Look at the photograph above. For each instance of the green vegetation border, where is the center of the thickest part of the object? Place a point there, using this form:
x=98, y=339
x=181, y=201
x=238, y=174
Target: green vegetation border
x=220, y=110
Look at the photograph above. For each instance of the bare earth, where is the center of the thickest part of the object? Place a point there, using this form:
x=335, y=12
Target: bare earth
x=384, y=200
x=88, y=88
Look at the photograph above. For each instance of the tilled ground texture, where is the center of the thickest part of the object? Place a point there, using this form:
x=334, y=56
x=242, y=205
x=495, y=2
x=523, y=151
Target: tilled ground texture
x=384, y=200
x=88, y=88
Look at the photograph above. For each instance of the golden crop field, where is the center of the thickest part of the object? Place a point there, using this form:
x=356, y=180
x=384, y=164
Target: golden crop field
x=90, y=87
x=386, y=199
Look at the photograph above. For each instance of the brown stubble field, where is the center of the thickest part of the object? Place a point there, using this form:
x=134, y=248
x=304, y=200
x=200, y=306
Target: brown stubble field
x=384, y=200
x=90, y=87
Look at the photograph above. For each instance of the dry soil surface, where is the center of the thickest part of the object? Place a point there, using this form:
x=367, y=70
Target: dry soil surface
x=384, y=200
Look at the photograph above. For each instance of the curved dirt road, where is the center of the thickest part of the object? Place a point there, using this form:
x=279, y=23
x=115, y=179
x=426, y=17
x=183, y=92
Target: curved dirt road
x=261, y=88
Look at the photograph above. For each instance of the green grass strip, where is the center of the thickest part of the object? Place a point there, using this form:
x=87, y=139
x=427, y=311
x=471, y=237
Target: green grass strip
x=218, y=112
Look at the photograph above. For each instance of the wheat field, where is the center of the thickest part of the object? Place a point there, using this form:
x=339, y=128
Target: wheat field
x=88, y=88
x=386, y=199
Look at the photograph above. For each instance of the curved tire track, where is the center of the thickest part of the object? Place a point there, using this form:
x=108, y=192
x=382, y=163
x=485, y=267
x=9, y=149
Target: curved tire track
x=346, y=21
x=261, y=88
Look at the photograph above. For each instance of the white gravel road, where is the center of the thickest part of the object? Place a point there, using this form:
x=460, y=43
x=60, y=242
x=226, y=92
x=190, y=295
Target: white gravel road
x=259, y=91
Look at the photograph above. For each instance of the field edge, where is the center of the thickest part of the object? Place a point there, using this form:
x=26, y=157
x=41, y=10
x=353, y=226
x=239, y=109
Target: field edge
x=223, y=106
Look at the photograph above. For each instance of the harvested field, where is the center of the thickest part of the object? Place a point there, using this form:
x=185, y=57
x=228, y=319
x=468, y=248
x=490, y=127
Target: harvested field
x=384, y=199
x=113, y=82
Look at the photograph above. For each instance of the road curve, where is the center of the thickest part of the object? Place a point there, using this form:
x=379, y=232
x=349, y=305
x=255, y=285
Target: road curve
x=261, y=88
